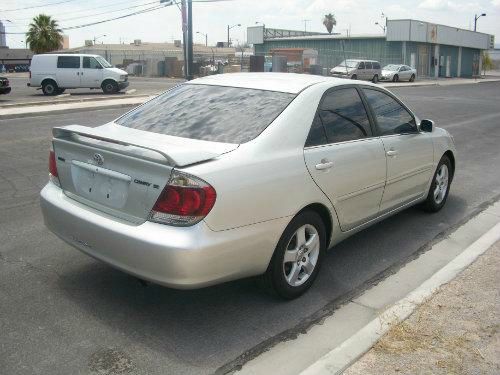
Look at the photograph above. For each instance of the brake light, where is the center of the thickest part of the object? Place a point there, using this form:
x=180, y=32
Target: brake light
x=53, y=175
x=184, y=201
x=52, y=164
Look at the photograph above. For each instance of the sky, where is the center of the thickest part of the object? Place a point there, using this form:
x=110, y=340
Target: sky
x=213, y=17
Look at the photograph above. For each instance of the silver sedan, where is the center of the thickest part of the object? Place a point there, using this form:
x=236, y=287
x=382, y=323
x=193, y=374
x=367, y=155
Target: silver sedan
x=238, y=175
x=395, y=73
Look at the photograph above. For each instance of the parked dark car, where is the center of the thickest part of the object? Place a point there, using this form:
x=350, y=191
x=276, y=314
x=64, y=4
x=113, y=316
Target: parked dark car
x=4, y=85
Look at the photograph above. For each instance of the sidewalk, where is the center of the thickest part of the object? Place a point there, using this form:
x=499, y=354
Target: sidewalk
x=457, y=331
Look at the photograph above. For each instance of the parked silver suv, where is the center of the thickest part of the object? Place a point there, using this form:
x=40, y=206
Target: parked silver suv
x=368, y=70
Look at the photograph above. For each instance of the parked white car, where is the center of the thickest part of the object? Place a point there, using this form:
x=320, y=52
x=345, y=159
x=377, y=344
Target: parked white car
x=55, y=73
x=245, y=174
x=395, y=73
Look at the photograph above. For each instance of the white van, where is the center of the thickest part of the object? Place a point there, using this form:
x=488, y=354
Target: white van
x=54, y=73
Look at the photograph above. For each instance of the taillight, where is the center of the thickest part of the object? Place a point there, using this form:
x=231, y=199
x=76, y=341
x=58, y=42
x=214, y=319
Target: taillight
x=184, y=201
x=53, y=175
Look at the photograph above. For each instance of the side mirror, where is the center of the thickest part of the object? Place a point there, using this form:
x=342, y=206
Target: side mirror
x=427, y=126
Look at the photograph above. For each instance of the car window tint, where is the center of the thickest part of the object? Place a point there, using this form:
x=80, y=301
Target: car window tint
x=90, y=63
x=368, y=65
x=361, y=65
x=317, y=135
x=68, y=62
x=376, y=65
x=392, y=117
x=210, y=113
x=344, y=116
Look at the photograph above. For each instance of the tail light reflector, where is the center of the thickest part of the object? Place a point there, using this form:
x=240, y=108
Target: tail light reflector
x=184, y=201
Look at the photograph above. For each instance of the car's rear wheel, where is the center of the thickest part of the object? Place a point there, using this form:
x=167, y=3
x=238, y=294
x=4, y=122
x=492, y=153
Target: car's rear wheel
x=440, y=186
x=49, y=87
x=375, y=78
x=297, y=258
x=60, y=91
x=412, y=78
x=395, y=78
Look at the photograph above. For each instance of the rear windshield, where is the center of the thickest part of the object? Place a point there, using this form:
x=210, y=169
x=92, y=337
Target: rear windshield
x=210, y=113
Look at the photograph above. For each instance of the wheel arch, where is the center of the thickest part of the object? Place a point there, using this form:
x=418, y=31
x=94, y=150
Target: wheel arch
x=451, y=156
x=45, y=79
x=325, y=215
x=108, y=79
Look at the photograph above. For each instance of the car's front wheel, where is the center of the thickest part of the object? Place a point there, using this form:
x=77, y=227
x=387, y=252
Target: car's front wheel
x=440, y=186
x=297, y=258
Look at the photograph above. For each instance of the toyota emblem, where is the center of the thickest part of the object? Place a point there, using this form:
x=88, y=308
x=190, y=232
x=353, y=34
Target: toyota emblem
x=99, y=159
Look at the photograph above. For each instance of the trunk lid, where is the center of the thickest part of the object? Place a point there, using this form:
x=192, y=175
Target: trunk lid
x=122, y=171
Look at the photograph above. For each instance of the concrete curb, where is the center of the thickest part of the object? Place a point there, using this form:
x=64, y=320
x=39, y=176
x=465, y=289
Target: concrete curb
x=71, y=101
x=340, y=358
x=43, y=110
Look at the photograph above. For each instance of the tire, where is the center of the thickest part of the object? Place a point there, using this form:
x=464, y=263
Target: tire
x=395, y=78
x=295, y=262
x=109, y=87
x=412, y=78
x=375, y=78
x=440, y=186
x=354, y=76
x=60, y=91
x=49, y=87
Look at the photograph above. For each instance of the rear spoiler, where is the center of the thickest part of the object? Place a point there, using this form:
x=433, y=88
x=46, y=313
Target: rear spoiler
x=175, y=151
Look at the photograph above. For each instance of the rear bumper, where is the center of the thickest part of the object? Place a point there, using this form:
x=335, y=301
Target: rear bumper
x=5, y=90
x=177, y=257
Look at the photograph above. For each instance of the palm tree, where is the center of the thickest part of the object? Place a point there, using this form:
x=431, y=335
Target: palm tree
x=329, y=21
x=44, y=34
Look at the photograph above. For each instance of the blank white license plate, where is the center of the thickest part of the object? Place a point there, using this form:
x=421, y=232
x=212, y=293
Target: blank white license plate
x=100, y=185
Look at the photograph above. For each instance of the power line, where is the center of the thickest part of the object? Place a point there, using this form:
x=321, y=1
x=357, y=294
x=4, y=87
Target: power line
x=36, y=6
x=109, y=11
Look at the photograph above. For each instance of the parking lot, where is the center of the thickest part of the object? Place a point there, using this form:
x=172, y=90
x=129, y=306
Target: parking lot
x=65, y=313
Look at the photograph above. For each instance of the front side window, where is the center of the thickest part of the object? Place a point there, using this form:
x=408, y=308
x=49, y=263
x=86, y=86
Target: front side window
x=361, y=65
x=343, y=116
x=68, y=62
x=91, y=63
x=392, y=117
x=210, y=113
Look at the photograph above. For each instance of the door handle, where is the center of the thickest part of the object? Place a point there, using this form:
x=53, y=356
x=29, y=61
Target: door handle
x=391, y=153
x=324, y=164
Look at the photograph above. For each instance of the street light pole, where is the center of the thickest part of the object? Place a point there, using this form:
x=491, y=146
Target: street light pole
x=98, y=37
x=229, y=28
x=382, y=27
x=206, y=37
x=476, y=17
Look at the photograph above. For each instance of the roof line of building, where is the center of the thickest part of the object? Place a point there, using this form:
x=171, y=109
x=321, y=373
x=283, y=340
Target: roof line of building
x=437, y=24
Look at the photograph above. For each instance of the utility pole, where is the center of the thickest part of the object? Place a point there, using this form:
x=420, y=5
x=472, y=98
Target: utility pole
x=305, y=25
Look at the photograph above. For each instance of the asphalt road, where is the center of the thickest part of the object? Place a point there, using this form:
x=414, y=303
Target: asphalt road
x=62, y=312
x=138, y=85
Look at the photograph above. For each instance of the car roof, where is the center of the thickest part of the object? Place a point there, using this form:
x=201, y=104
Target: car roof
x=282, y=82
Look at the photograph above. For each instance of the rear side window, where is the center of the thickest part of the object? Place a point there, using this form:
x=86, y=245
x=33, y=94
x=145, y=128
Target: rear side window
x=392, y=117
x=368, y=65
x=343, y=117
x=210, y=113
x=68, y=62
x=376, y=65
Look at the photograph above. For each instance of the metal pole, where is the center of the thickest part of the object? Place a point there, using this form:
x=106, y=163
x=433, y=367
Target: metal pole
x=228, y=35
x=184, y=37
x=475, y=21
x=190, y=40
x=206, y=40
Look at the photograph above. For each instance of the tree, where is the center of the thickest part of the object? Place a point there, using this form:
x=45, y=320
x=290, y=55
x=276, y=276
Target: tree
x=329, y=21
x=44, y=34
x=487, y=62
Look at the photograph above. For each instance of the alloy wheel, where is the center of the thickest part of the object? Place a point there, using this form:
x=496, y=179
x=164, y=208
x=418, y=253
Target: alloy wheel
x=441, y=184
x=301, y=255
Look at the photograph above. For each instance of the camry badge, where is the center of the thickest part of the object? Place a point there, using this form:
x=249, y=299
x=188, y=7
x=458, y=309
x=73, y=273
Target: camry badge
x=99, y=159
